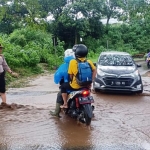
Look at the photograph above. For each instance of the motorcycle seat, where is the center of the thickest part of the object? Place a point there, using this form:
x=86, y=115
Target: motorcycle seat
x=84, y=88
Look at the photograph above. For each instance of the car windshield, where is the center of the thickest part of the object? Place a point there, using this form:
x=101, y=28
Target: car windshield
x=116, y=60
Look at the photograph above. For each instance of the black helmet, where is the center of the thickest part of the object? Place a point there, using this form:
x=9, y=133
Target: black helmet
x=80, y=50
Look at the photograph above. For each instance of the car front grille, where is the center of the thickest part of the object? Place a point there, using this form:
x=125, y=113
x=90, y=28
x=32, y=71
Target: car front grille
x=112, y=81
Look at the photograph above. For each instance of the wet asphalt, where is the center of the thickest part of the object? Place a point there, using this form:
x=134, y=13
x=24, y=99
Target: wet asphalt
x=120, y=122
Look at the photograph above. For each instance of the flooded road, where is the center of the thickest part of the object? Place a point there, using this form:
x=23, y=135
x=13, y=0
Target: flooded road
x=121, y=122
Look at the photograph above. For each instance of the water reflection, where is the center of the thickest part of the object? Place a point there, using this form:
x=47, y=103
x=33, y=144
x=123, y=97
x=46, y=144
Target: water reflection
x=74, y=135
x=32, y=128
x=121, y=122
x=30, y=93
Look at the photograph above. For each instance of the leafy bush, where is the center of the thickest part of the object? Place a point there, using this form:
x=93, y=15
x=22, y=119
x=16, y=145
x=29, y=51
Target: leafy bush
x=54, y=62
x=28, y=47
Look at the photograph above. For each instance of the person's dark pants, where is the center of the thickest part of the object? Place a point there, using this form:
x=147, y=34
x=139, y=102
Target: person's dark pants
x=2, y=82
x=65, y=87
x=59, y=98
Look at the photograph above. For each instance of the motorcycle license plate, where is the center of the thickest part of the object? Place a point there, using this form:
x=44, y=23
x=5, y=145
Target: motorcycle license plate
x=86, y=100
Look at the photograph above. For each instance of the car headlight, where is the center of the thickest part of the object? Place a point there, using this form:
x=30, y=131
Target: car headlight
x=100, y=72
x=135, y=74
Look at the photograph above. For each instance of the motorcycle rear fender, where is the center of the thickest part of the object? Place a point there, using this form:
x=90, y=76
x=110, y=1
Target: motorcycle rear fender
x=88, y=109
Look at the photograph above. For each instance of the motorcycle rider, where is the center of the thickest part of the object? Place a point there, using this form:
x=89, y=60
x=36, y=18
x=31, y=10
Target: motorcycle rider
x=148, y=53
x=147, y=58
x=61, y=76
x=81, y=52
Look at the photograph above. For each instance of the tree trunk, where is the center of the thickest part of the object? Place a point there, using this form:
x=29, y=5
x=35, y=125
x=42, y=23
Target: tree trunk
x=76, y=37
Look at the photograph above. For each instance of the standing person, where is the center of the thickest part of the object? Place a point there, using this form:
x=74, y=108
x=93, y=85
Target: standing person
x=81, y=52
x=4, y=67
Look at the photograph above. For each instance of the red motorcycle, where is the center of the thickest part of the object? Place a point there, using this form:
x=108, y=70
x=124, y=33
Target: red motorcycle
x=79, y=106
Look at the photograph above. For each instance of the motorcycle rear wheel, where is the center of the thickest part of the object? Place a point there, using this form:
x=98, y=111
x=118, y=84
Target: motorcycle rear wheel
x=87, y=119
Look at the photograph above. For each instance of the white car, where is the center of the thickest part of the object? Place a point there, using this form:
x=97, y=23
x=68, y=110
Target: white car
x=117, y=71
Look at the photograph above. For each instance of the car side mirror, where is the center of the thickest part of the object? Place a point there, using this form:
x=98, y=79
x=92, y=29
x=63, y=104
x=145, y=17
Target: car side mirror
x=94, y=64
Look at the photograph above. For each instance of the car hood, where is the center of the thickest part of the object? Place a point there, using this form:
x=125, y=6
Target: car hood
x=117, y=69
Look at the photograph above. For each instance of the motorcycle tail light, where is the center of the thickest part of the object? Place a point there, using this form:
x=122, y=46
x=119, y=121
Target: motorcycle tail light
x=85, y=93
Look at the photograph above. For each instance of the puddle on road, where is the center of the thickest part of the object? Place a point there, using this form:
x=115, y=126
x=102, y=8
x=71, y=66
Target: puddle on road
x=121, y=122
x=31, y=93
x=26, y=127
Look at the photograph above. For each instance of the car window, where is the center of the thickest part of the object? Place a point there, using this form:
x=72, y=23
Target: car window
x=116, y=60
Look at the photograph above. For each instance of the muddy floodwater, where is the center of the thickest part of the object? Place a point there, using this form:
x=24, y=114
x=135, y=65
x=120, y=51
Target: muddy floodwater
x=120, y=122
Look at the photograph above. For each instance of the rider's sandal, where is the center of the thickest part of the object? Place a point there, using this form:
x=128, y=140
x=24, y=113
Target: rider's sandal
x=63, y=106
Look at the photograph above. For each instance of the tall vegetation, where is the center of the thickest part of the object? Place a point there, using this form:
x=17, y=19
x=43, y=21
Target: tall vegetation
x=30, y=38
x=27, y=47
